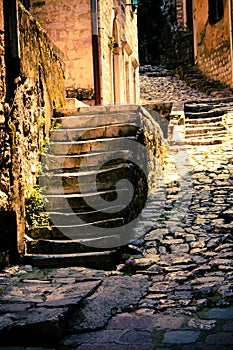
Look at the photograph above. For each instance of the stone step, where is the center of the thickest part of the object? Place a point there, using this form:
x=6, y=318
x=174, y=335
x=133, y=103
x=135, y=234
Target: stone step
x=213, y=113
x=201, y=141
x=43, y=246
x=85, y=181
x=206, y=133
x=77, y=134
x=80, y=147
x=69, y=217
x=215, y=121
x=90, y=160
x=78, y=231
x=97, y=120
x=85, y=201
x=62, y=217
x=108, y=220
x=205, y=106
x=205, y=128
x=106, y=260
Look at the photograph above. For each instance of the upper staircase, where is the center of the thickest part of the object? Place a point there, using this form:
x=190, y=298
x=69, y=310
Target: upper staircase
x=207, y=122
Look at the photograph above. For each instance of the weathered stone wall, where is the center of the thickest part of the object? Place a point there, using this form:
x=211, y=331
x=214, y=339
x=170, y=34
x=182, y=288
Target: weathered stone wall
x=69, y=25
x=27, y=119
x=3, y=195
x=213, y=43
x=2, y=53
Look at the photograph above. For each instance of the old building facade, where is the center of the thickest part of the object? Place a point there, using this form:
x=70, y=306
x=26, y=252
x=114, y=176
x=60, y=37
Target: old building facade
x=99, y=42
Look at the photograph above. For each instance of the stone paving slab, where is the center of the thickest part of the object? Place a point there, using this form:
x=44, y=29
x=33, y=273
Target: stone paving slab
x=35, y=304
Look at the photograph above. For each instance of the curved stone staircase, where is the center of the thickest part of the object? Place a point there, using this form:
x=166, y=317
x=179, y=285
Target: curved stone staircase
x=94, y=182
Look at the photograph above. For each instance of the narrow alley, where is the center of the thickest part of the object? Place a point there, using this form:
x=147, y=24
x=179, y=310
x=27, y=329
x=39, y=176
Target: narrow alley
x=174, y=289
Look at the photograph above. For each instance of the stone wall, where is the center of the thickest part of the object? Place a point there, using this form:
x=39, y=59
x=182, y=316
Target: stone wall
x=213, y=43
x=27, y=118
x=70, y=26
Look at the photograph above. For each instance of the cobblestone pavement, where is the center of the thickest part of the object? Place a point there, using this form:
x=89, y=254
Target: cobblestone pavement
x=167, y=89
x=176, y=293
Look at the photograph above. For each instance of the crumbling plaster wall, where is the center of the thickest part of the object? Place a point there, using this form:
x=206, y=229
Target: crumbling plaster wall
x=26, y=119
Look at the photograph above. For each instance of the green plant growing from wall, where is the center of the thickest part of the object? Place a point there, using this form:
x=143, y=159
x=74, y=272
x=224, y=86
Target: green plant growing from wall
x=35, y=214
x=44, y=145
x=111, y=42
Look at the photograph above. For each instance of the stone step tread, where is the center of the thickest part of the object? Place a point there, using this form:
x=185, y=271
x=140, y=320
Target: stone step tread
x=103, y=184
x=109, y=139
x=213, y=120
x=111, y=109
x=88, y=224
x=204, y=125
x=87, y=201
x=217, y=135
x=202, y=142
x=205, y=128
x=96, y=120
x=83, y=172
x=104, y=260
x=90, y=128
x=83, y=195
x=86, y=146
x=206, y=133
x=205, y=106
x=42, y=246
x=211, y=113
x=64, y=134
x=69, y=214
x=89, y=160
x=86, y=219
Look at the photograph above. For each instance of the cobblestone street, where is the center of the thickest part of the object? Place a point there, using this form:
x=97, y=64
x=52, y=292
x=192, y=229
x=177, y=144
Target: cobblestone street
x=174, y=290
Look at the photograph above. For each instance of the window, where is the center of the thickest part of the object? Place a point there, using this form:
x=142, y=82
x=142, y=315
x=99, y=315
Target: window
x=26, y=4
x=215, y=11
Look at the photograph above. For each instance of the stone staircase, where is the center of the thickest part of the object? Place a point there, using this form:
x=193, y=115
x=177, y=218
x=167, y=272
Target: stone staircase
x=207, y=122
x=89, y=169
x=197, y=80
